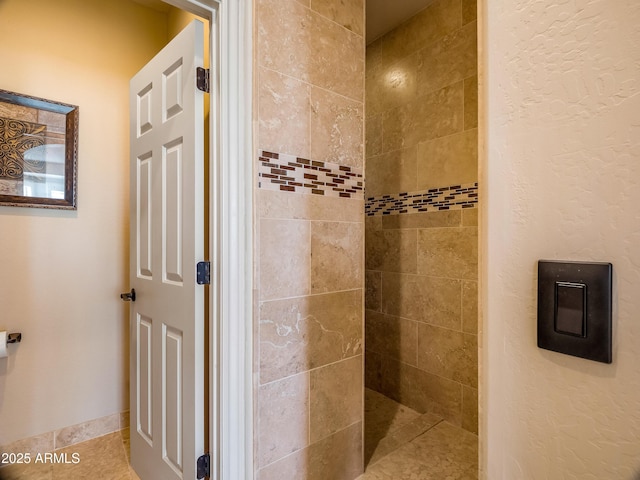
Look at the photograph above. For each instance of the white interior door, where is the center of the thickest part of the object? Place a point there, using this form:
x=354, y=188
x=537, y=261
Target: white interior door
x=167, y=241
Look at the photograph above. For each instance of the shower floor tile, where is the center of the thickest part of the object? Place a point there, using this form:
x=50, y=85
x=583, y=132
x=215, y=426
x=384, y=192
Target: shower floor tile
x=414, y=446
x=400, y=444
x=383, y=415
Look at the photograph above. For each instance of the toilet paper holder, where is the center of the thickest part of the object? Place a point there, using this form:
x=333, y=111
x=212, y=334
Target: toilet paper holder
x=14, y=338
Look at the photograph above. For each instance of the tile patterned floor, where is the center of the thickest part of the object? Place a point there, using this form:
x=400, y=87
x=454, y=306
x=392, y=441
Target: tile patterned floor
x=400, y=444
x=103, y=458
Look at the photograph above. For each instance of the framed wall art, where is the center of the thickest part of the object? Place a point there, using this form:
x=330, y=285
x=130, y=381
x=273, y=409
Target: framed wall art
x=38, y=152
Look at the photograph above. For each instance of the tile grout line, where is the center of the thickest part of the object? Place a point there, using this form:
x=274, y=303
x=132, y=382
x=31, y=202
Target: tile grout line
x=462, y=306
x=396, y=150
x=309, y=371
x=309, y=445
x=315, y=220
x=309, y=241
x=418, y=322
x=317, y=294
x=426, y=275
x=408, y=426
x=309, y=84
x=457, y=382
x=361, y=35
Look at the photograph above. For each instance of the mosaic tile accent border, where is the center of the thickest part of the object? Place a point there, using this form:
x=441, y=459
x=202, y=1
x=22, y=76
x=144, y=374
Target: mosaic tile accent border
x=288, y=173
x=455, y=197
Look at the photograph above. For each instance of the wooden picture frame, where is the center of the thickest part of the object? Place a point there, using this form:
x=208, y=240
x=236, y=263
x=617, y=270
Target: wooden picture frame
x=38, y=152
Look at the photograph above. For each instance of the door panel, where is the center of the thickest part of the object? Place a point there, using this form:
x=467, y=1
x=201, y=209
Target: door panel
x=143, y=374
x=143, y=217
x=171, y=367
x=172, y=209
x=167, y=241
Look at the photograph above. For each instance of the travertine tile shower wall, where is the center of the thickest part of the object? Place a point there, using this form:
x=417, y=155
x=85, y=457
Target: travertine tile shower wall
x=421, y=224
x=309, y=275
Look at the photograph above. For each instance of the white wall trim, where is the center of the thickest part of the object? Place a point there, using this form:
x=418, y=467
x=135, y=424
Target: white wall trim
x=235, y=240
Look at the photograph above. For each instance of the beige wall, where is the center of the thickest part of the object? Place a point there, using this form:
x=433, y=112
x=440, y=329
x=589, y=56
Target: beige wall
x=561, y=172
x=309, y=276
x=61, y=272
x=421, y=317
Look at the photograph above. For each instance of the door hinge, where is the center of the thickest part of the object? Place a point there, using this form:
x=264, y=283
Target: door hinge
x=202, y=79
x=203, y=466
x=203, y=273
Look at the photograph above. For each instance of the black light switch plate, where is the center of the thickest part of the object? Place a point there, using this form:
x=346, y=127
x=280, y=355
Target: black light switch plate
x=574, y=308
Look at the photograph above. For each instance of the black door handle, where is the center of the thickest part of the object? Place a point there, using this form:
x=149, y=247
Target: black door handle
x=129, y=296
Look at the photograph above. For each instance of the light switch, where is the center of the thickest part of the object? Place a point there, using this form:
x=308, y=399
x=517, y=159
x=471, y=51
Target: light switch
x=571, y=308
x=574, y=308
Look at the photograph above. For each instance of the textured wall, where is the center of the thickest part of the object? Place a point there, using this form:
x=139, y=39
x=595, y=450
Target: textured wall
x=421, y=317
x=61, y=272
x=562, y=174
x=309, y=275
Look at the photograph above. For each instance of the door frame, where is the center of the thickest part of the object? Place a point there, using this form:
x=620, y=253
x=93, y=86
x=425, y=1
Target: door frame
x=231, y=235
